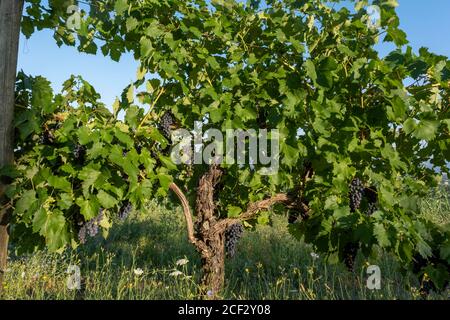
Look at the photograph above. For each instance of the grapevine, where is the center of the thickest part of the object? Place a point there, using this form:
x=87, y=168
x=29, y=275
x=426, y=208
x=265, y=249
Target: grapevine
x=232, y=66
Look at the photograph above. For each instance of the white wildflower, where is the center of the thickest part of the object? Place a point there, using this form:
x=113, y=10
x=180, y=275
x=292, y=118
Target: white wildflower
x=176, y=273
x=138, y=271
x=182, y=262
x=314, y=255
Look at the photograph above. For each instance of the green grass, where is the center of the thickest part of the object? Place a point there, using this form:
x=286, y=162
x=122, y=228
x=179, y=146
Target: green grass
x=270, y=264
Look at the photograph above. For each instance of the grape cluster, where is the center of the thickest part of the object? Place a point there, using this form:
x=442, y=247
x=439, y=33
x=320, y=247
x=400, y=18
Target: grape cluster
x=350, y=252
x=356, y=194
x=79, y=153
x=90, y=228
x=293, y=216
x=232, y=236
x=166, y=122
x=47, y=138
x=372, y=199
x=372, y=207
x=125, y=210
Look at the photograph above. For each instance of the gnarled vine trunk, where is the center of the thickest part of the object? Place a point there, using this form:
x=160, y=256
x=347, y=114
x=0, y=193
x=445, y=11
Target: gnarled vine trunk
x=10, y=17
x=209, y=235
x=213, y=258
x=213, y=268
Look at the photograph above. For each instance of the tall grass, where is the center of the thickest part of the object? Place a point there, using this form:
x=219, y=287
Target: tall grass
x=139, y=258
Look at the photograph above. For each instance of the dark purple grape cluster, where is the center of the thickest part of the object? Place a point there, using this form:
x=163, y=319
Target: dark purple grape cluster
x=125, y=210
x=232, y=236
x=165, y=123
x=372, y=207
x=350, y=252
x=90, y=228
x=356, y=194
x=293, y=216
x=79, y=153
x=372, y=199
x=47, y=138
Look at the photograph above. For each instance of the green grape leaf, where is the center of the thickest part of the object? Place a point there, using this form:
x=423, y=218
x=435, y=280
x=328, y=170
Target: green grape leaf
x=106, y=200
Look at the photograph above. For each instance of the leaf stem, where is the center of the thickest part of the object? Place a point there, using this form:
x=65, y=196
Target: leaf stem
x=151, y=109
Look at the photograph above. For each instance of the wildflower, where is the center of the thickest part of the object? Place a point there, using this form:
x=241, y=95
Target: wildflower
x=22, y=275
x=176, y=273
x=314, y=255
x=209, y=293
x=182, y=262
x=138, y=271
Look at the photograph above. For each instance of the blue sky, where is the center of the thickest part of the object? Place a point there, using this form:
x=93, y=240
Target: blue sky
x=427, y=24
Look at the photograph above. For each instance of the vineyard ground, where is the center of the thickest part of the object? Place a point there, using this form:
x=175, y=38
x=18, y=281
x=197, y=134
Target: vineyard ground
x=139, y=261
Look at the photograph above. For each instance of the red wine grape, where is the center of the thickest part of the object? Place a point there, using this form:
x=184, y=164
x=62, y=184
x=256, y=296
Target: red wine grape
x=232, y=236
